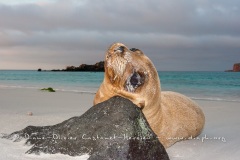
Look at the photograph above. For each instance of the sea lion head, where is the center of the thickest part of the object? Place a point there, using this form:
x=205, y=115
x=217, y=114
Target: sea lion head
x=131, y=74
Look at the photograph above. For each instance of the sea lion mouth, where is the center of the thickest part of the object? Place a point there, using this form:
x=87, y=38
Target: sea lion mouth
x=135, y=80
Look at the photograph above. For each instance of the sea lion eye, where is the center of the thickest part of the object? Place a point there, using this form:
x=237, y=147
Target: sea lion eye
x=133, y=49
x=137, y=51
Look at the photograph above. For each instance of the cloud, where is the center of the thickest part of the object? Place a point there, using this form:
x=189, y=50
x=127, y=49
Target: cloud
x=188, y=17
x=73, y=32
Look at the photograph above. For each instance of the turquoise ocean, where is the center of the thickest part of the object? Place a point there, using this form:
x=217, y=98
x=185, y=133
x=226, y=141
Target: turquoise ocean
x=211, y=86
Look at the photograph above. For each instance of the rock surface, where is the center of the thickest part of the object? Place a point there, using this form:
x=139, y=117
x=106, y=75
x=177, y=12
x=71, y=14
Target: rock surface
x=236, y=67
x=98, y=67
x=114, y=129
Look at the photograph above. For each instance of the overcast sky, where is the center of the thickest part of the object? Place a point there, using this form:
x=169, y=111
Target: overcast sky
x=174, y=34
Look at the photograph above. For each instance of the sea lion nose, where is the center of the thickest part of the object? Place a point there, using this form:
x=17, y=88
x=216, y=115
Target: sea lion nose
x=119, y=48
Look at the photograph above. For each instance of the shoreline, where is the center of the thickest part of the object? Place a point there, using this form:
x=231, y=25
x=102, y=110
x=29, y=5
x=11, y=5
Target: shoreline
x=219, y=139
x=84, y=90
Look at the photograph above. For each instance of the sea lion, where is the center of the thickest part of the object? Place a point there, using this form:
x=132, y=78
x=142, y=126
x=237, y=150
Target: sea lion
x=131, y=74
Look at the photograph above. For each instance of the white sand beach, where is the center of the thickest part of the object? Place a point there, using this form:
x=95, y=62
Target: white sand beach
x=219, y=140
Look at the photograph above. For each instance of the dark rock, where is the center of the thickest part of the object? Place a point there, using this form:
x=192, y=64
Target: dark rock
x=236, y=67
x=56, y=70
x=98, y=67
x=39, y=70
x=71, y=68
x=114, y=129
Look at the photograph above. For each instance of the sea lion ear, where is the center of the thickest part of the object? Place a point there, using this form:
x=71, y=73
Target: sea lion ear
x=135, y=50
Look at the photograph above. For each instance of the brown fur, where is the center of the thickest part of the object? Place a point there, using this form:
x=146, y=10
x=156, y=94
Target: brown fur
x=172, y=116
